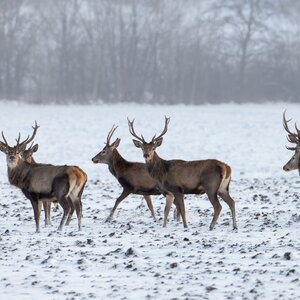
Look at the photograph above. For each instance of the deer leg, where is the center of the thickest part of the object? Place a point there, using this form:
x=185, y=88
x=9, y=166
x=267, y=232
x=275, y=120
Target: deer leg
x=213, y=198
x=70, y=201
x=78, y=209
x=55, y=206
x=169, y=202
x=75, y=202
x=150, y=206
x=60, y=190
x=47, y=207
x=181, y=211
x=124, y=194
x=66, y=210
x=176, y=214
x=37, y=206
x=224, y=194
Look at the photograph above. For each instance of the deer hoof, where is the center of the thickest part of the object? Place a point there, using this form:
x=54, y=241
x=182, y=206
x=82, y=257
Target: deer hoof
x=108, y=220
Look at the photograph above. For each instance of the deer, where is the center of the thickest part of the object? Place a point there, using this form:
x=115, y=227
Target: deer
x=27, y=155
x=176, y=178
x=44, y=181
x=293, y=138
x=132, y=176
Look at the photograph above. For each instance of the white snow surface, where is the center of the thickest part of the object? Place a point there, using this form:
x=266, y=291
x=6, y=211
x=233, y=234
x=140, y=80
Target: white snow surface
x=259, y=261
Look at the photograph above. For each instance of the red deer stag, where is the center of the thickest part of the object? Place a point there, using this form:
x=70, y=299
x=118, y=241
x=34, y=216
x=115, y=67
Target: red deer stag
x=176, y=177
x=294, y=138
x=40, y=181
x=132, y=176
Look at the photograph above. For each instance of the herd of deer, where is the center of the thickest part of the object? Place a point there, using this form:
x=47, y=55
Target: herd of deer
x=43, y=184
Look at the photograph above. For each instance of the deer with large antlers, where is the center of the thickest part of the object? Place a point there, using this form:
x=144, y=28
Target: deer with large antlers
x=294, y=138
x=177, y=177
x=132, y=176
x=44, y=181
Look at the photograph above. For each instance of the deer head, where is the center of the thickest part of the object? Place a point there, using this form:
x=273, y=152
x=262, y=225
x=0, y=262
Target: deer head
x=12, y=153
x=105, y=155
x=148, y=148
x=27, y=154
x=294, y=138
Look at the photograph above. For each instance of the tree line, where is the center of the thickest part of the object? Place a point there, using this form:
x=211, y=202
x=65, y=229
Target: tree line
x=150, y=51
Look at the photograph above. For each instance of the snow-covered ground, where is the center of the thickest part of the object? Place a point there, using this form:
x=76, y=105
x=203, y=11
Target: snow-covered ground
x=133, y=257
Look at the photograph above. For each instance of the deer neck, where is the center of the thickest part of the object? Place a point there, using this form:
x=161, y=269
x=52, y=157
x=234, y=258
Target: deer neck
x=17, y=175
x=157, y=167
x=117, y=163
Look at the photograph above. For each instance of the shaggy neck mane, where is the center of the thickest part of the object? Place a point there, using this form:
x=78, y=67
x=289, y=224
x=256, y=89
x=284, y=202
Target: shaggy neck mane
x=17, y=176
x=157, y=167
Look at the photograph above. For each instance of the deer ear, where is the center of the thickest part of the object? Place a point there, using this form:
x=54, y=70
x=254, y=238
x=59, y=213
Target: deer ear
x=35, y=148
x=158, y=142
x=137, y=143
x=116, y=143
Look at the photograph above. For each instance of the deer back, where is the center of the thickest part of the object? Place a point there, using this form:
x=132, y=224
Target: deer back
x=38, y=178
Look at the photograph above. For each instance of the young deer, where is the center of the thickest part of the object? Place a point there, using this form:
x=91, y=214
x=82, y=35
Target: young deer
x=177, y=177
x=132, y=176
x=43, y=181
x=294, y=138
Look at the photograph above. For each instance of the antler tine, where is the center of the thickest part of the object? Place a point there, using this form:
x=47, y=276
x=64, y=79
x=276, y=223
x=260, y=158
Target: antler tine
x=298, y=131
x=4, y=139
x=18, y=139
x=30, y=139
x=30, y=147
x=167, y=121
x=293, y=138
x=110, y=134
x=285, y=124
x=132, y=131
x=291, y=148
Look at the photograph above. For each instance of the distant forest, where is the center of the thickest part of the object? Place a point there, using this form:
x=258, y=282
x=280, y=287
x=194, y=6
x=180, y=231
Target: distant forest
x=149, y=51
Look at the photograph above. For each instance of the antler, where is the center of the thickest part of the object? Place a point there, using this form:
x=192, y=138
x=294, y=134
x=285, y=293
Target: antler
x=5, y=144
x=293, y=138
x=30, y=147
x=132, y=131
x=167, y=120
x=111, y=132
x=28, y=139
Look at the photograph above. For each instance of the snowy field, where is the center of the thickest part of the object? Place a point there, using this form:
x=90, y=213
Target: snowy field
x=133, y=257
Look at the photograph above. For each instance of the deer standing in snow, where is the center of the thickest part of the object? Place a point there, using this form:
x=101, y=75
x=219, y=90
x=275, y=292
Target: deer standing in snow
x=132, y=176
x=43, y=181
x=177, y=177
